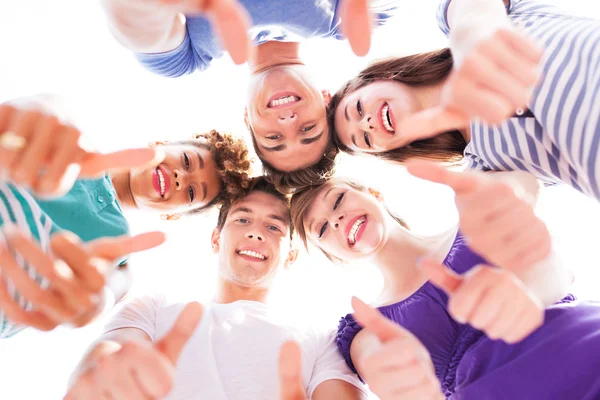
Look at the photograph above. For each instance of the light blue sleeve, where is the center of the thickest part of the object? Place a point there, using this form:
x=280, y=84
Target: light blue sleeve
x=180, y=61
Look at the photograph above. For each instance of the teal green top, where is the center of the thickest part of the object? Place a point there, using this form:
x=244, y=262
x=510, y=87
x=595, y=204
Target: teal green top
x=90, y=210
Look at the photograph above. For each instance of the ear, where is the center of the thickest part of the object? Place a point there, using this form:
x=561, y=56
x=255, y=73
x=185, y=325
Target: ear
x=292, y=257
x=376, y=193
x=214, y=240
x=170, y=217
x=326, y=96
x=246, y=119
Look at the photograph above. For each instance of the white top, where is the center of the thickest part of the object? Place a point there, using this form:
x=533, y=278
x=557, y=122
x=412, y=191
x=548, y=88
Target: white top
x=233, y=354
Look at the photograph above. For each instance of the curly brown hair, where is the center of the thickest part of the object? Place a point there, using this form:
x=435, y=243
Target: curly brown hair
x=233, y=164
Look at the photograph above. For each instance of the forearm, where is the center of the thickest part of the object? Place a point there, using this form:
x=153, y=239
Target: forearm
x=472, y=21
x=145, y=27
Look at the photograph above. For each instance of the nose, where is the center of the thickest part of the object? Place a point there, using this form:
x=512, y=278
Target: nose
x=336, y=221
x=287, y=117
x=179, y=179
x=366, y=124
x=254, y=235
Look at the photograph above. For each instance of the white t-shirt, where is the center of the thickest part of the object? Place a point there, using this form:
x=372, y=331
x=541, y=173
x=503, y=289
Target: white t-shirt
x=233, y=354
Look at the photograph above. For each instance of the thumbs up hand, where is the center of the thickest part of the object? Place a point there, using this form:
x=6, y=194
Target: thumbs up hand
x=290, y=372
x=492, y=300
x=499, y=223
x=401, y=367
x=357, y=23
x=139, y=370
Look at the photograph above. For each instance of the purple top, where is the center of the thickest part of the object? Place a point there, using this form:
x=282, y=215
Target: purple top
x=555, y=362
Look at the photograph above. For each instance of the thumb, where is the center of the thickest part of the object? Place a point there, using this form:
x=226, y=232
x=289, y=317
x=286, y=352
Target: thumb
x=430, y=122
x=185, y=325
x=116, y=247
x=460, y=182
x=374, y=322
x=232, y=22
x=290, y=372
x=95, y=164
x=441, y=276
x=356, y=25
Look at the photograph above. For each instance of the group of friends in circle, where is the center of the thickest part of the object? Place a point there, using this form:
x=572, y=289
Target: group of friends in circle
x=479, y=311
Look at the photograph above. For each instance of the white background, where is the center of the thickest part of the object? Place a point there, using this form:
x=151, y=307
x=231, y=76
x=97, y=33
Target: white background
x=64, y=47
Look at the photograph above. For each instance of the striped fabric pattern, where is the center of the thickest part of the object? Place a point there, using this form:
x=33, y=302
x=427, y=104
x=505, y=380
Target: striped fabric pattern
x=559, y=144
x=19, y=209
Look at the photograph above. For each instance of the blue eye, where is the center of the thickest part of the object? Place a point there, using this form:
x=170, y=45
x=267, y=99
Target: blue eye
x=308, y=128
x=323, y=229
x=274, y=228
x=242, y=220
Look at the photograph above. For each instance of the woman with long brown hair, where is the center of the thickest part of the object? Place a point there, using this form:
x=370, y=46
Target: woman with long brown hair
x=479, y=101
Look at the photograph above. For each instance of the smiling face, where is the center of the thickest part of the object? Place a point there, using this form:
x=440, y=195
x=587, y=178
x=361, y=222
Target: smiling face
x=345, y=222
x=287, y=115
x=366, y=119
x=254, y=242
x=185, y=180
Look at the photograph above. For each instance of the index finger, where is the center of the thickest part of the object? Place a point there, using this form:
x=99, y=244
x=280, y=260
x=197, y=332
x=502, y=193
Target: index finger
x=356, y=24
x=375, y=322
x=94, y=164
x=441, y=276
x=232, y=22
x=290, y=372
x=117, y=247
x=460, y=182
x=175, y=340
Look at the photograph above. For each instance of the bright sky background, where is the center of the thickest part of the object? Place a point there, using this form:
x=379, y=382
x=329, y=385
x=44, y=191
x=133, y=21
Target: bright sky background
x=64, y=47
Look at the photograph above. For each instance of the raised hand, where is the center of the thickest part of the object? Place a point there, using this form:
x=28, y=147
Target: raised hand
x=356, y=24
x=492, y=300
x=229, y=18
x=494, y=79
x=290, y=372
x=38, y=151
x=76, y=274
x=499, y=224
x=139, y=370
x=401, y=368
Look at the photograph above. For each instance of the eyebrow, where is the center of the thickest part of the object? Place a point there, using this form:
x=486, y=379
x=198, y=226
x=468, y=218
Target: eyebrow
x=243, y=209
x=312, y=139
x=276, y=148
x=310, y=226
x=346, y=113
x=200, y=160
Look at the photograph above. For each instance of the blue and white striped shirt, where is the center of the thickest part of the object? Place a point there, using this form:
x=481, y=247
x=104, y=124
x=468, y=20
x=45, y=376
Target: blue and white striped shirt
x=559, y=143
x=19, y=209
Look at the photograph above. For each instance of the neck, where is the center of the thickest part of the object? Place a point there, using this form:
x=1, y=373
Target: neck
x=401, y=275
x=228, y=292
x=273, y=54
x=121, y=183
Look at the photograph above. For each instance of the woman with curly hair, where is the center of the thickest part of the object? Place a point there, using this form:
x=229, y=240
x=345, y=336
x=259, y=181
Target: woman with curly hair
x=173, y=178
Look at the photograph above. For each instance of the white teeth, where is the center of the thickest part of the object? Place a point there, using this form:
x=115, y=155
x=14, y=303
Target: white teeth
x=387, y=120
x=161, y=181
x=252, y=254
x=284, y=100
x=354, y=230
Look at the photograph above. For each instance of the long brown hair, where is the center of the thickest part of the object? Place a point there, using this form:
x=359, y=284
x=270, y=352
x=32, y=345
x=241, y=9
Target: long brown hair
x=416, y=70
x=301, y=202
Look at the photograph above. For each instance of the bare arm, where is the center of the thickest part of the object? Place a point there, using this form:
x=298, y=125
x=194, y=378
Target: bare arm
x=338, y=389
x=145, y=26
